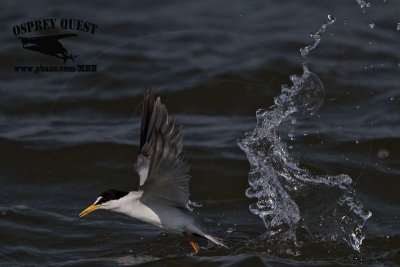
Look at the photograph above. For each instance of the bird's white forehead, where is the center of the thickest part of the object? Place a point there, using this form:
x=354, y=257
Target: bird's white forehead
x=97, y=200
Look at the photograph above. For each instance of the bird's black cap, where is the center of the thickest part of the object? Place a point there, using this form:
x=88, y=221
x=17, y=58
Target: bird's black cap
x=111, y=194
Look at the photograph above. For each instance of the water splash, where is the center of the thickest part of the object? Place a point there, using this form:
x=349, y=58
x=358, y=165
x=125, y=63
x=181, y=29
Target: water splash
x=363, y=4
x=317, y=37
x=371, y=24
x=195, y=204
x=291, y=198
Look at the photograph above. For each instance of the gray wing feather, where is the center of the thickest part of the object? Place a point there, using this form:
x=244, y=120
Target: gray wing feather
x=143, y=160
x=161, y=165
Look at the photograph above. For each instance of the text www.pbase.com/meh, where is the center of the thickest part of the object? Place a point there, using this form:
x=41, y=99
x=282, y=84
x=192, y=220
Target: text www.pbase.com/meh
x=41, y=68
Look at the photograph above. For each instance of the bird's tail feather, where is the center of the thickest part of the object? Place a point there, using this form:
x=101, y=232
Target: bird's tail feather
x=199, y=230
x=216, y=241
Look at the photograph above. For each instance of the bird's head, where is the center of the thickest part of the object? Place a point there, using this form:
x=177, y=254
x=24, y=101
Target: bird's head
x=107, y=200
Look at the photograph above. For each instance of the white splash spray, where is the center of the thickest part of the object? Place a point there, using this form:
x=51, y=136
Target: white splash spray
x=291, y=197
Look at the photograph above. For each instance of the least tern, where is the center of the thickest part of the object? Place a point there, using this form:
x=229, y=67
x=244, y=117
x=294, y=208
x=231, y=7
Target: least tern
x=163, y=195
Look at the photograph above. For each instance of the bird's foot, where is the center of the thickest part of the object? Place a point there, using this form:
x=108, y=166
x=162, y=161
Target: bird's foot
x=195, y=246
x=193, y=243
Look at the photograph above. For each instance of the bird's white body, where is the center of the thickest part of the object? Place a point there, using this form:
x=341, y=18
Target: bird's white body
x=131, y=206
x=172, y=219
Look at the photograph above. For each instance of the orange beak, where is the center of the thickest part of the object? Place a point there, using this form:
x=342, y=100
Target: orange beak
x=88, y=210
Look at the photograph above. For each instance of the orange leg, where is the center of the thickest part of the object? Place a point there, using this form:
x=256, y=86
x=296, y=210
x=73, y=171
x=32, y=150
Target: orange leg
x=193, y=243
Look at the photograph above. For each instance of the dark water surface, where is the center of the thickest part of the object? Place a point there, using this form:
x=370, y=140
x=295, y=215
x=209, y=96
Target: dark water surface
x=66, y=137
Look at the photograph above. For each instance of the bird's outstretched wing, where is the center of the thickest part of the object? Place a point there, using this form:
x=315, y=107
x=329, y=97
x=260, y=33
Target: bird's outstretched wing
x=161, y=165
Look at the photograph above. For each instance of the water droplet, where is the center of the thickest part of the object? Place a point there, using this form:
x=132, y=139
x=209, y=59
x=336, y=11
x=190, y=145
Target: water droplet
x=392, y=98
x=363, y=4
x=304, y=51
x=230, y=230
x=398, y=26
x=357, y=142
x=383, y=153
x=371, y=25
x=196, y=204
x=331, y=18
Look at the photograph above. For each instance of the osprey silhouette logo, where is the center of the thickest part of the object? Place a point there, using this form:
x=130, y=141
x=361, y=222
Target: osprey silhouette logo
x=51, y=44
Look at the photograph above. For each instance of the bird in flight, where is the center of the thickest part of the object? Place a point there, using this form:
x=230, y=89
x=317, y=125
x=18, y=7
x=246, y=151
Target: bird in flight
x=163, y=195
